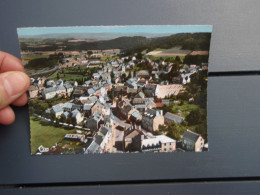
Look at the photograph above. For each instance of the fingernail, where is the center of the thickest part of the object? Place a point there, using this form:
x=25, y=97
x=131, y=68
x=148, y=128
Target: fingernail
x=15, y=83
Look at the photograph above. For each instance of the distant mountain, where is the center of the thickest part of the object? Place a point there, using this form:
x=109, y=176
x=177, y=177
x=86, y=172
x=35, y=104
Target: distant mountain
x=128, y=44
x=95, y=36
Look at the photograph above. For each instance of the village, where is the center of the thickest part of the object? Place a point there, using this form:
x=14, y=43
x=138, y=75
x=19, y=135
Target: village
x=122, y=105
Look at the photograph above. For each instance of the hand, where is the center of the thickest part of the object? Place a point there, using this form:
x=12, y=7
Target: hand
x=13, y=86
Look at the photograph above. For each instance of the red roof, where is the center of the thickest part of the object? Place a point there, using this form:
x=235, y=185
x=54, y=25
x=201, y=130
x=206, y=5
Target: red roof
x=159, y=104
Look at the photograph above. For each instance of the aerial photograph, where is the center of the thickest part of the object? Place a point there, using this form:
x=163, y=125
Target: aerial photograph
x=117, y=89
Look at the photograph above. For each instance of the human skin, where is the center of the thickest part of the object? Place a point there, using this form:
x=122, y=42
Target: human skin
x=13, y=86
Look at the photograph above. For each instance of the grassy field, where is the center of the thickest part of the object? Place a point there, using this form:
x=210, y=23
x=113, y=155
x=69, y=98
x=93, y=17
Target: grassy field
x=186, y=108
x=46, y=134
x=155, y=58
x=28, y=58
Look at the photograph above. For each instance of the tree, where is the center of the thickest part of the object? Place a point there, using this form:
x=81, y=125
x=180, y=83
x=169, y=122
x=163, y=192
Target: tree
x=74, y=121
x=123, y=77
x=52, y=116
x=89, y=53
x=62, y=118
x=139, y=56
x=178, y=59
x=194, y=117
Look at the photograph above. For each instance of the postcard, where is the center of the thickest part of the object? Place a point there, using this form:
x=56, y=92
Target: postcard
x=117, y=89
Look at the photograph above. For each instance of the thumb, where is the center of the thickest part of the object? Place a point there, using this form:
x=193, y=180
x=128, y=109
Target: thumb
x=12, y=85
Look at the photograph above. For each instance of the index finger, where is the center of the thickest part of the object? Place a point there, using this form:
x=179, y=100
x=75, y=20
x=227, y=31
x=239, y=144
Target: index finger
x=9, y=62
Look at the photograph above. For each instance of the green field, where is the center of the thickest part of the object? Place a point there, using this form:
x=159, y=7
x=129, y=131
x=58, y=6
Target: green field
x=46, y=134
x=28, y=58
x=186, y=108
x=155, y=58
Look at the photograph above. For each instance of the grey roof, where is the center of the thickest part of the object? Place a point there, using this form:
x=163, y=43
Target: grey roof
x=68, y=86
x=93, y=147
x=119, y=88
x=96, y=88
x=98, y=139
x=131, y=90
x=48, y=90
x=61, y=88
x=142, y=72
x=87, y=106
x=127, y=108
x=32, y=88
x=140, y=106
x=150, y=87
x=190, y=135
x=57, y=109
x=135, y=114
x=142, y=100
x=140, y=95
x=99, y=104
x=165, y=101
x=151, y=112
x=88, y=82
x=177, y=119
x=91, y=91
x=74, y=113
x=66, y=114
x=104, y=130
x=68, y=105
x=95, y=75
x=97, y=113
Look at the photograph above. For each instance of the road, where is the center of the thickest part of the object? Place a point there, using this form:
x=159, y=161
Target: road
x=44, y=72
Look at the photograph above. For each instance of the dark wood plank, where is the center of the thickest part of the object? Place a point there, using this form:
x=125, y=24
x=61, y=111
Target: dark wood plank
x=235, y=41
x=151, y=189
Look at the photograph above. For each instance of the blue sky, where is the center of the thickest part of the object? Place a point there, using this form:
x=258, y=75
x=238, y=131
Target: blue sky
x=129, y=30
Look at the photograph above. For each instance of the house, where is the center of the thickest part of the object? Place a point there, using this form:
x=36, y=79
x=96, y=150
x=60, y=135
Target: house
x=49, y=93
x=33, y=91
x=79, y=91
x=167, y=144
x=143, y=74
x=192, y=141
x=146, y=103
x=125, y=109
x=96, y=75
x=163, y=91
x=149, y=90
x=68, y=106
x=169, y=118
x=140, y=95
x=132, y=139
x=87, y=108
x=93, y=123
x=75, y=137
x=57, y=111
x=151, y=119
x=136, y=116
x=142, y=100
x=97, y=107
x=119, y=90
x=59, y=82
x=99, y=141
x=66, y=115
x=61, y=91
x=106, y=133
x=77, y=116
x=69, y=89
x=159, y=143
x=50, y=83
